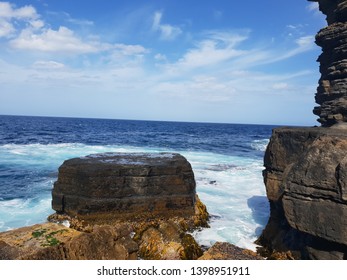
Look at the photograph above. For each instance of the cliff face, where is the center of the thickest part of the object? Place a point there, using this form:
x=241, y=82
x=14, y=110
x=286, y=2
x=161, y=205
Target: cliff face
x=332, y=90
x=305, y=180
x=306, y=168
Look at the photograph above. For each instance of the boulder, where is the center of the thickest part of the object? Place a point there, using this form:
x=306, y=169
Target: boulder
x=120, y=186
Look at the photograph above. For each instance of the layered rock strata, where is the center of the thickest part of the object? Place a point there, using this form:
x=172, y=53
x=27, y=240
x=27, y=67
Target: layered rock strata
x=306, y=168
x=332, y=90
x=306, y=183
x=118, y=186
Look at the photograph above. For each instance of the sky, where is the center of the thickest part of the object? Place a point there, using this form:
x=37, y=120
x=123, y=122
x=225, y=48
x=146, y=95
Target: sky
x=226, y=61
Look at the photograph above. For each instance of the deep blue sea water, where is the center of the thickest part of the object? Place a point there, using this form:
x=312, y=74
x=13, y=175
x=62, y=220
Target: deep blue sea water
x=227, y=160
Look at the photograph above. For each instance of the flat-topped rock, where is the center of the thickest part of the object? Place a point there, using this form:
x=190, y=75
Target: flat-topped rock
x=113, y=186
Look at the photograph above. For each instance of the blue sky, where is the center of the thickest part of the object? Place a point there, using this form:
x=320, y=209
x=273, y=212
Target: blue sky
x=226, y=61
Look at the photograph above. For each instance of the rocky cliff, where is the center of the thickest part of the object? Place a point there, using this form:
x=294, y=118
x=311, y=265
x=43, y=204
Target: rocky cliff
x=306, y=179
x=306, y=168
x=332, y=90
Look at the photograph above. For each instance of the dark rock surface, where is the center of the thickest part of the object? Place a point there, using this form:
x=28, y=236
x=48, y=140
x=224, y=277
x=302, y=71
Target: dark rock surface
x=332, y=90
x=117, y=185
x=305, y=180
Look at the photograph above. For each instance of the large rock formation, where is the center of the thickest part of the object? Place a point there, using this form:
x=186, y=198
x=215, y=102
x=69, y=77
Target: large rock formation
x=118, y=186
x=332, y=90
x=306, y=168
x=306, y=183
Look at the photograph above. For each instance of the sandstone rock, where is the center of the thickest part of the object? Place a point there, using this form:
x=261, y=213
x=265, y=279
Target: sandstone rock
x=305, y=181
x=166, y=241
x=50, y=241
x=121, y=186
x=227, y=251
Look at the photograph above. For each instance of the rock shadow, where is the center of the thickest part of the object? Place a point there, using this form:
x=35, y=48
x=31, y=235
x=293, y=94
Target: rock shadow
x=260, y=211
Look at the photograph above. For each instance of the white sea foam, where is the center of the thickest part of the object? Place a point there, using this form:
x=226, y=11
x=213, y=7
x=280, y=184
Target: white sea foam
x=260, y=145
x=230, y=186
x=23, y=212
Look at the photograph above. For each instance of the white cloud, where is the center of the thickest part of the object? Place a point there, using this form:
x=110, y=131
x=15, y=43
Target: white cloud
x=305, y=42
x=167, y=31
x=48, y=65
x=36, y=36
x=160, y=57
x=129, y=50
x=218, y=47
x=8, y=11
x=280, y=86
x=37, y=24
x=83, y=22
x=302, y=44
x=10, y=14
x=61, y=40
x=6, y=28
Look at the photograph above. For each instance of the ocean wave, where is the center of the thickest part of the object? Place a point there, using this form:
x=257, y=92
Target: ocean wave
x=260, y=145
x=18, y=212
x=224, y=184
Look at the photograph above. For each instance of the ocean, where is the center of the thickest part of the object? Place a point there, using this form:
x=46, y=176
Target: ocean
x=227, y=161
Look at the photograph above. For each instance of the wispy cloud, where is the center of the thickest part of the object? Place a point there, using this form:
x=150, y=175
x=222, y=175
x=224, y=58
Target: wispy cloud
x=167, y=31
x=48, y=65
x=82, y=22
x=217, y=47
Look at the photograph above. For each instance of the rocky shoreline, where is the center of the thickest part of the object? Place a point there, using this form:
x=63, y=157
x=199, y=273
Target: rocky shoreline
x=120, y=206
x=145, y=206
